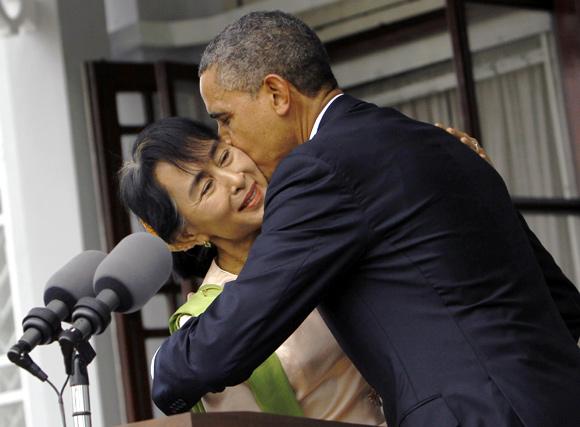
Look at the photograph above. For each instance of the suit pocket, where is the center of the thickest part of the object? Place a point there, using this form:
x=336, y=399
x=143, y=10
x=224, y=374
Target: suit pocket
x=430, y=412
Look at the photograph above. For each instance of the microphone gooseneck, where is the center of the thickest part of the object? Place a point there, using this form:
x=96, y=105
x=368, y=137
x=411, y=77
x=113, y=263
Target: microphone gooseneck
x=92, y=315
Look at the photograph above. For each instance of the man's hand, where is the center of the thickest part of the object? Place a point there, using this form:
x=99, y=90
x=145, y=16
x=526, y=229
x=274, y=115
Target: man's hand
x=467, y=140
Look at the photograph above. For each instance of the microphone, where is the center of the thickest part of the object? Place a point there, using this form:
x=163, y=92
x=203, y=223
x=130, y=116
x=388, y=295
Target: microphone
x=124, y=281
x=64, y=288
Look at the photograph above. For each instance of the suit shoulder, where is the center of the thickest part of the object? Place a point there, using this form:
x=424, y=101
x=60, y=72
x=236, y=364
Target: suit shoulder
x=303, y=163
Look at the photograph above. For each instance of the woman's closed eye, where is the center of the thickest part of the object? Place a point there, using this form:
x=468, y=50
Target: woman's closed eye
x=224, y=158
x=207, y=185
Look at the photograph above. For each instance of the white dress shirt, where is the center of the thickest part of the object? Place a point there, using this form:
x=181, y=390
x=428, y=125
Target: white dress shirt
x=320, y=115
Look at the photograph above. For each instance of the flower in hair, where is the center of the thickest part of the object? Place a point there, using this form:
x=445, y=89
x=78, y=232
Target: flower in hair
x=173, y=247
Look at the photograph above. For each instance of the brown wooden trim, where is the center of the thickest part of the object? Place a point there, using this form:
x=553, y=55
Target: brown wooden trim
x=567, y=17
x=130, y=129
x=167, y=73
x=100, y=133
x=104, y=81
x=551, y=206
x=386, y=36
x=238, y=419
x=457, y=23
x=156, y=333
x=169, y=288
x=165, y=88
x=134, y=369
x=149, y=107
x=524, y=4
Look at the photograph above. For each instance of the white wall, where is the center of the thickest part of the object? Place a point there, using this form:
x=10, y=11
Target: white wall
x=50, y=203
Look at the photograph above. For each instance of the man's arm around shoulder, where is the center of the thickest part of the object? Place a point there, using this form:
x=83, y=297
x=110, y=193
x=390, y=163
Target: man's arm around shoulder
x=313, y=233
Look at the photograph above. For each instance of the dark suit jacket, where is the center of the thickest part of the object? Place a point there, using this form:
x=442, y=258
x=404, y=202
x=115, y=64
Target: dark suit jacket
x=410, y=245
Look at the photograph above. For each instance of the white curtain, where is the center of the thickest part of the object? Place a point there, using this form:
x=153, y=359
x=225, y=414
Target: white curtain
x=519, y=130
x=519, y=134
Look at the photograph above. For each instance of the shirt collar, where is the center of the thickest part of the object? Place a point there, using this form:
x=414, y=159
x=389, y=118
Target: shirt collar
x=217, y=276
x=319, y=118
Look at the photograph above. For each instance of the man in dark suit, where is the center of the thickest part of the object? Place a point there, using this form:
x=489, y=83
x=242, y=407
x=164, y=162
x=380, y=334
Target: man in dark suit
x=404, y=238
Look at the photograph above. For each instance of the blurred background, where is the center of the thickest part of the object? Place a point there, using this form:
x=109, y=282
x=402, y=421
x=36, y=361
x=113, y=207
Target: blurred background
x=79, y=79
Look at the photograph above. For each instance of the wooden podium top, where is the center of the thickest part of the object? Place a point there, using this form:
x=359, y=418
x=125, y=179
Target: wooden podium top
x=236, y=419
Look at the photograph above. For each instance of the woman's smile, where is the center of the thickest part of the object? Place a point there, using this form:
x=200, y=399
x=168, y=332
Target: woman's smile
x=222, y=198
x=253, y=198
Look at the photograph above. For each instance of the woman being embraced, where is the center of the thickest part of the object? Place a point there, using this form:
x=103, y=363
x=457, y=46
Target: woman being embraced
x=202, y=195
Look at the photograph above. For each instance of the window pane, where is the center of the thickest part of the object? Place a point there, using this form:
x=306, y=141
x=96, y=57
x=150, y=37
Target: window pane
x=12, y=415
x=428, y=94
x=7, y=335
x=9, y=378
x=520, y=100
x=131, y=108
x=416, y=77
x=156, y=313
x=518, y=95
x=127, y=142
x=189, y=103
x=561, y=236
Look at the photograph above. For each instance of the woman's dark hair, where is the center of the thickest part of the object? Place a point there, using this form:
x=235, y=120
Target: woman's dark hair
x=179, y=141
x=194, y=262
x=175, y=140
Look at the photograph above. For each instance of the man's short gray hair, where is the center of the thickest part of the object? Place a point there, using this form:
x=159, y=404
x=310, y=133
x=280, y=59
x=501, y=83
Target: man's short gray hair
x=262, y=43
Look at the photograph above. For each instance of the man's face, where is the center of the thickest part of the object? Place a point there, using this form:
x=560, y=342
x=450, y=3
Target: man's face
x=247, y=122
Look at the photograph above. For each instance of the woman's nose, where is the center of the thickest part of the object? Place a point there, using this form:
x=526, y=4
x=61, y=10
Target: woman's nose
x=236, y=181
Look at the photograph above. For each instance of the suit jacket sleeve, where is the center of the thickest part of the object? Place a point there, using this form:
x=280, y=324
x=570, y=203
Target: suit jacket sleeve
x=563, y=291
x=313, y=232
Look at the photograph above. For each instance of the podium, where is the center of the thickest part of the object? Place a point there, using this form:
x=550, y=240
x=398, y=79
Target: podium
x=237, y=419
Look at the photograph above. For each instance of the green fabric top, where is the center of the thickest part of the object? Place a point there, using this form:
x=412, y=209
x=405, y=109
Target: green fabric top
x=268, y=382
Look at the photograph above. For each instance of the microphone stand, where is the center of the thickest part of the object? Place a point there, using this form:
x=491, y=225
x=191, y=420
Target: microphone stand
x=90, y=316
x=77, y=356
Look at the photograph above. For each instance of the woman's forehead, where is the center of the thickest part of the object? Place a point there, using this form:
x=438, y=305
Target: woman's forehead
x=200, y=159
x=203, y=164
x=199, y=155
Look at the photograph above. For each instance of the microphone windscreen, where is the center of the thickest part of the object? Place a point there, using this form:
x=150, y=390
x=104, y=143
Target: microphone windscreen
x=135, y=270
x=74, y=280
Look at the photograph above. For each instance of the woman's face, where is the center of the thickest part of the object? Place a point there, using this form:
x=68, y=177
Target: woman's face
x=220, y=200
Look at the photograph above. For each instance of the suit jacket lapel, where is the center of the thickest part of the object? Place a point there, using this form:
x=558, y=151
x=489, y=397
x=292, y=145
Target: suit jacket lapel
x=338, y=108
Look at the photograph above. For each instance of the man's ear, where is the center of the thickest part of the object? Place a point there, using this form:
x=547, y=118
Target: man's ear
x=278, y=90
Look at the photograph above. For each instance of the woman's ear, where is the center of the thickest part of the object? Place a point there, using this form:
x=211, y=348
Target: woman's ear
x=187, y=239
x=278, y=91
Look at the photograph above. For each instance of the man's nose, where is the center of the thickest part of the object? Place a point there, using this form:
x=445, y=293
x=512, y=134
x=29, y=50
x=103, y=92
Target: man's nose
x=223, y=133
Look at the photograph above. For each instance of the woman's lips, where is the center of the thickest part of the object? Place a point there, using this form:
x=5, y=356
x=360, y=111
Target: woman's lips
x=252, y=199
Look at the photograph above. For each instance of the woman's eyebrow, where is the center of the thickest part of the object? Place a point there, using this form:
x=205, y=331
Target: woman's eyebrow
x=213, y=148
x=196, y=177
